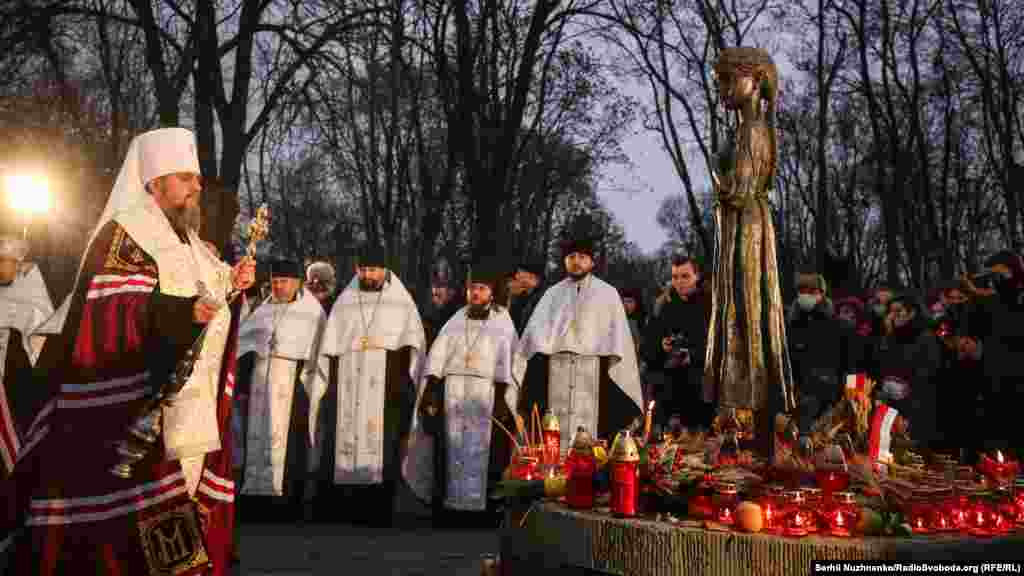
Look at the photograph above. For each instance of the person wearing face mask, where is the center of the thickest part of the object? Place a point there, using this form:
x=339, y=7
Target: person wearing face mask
x=674, y=348
x=821, y=350
x=906, y=361
x=850, y=310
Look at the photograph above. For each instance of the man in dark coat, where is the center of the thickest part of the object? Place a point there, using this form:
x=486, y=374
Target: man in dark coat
x=529, y=277
x=997, y=322
x=674, y=346
x=821, y=350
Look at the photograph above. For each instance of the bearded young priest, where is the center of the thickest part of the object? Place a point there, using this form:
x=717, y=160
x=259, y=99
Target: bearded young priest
x=277, y=371
x=147, y=287
x=467, y=382
x=578, y=350
x=372, y=350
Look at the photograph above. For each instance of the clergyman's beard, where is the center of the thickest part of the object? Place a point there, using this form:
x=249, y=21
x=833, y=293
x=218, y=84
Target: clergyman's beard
x=577, y=276
x=478, y=311
x=185, y=218
x=367, y=285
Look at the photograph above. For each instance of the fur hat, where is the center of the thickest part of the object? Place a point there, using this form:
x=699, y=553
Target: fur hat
x=371, y=254
x=484, y=272
x=811, y=281
x=582, y=236
x=284, y=268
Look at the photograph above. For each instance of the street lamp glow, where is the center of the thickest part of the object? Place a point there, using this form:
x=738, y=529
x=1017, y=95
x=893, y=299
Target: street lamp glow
x=28, y=195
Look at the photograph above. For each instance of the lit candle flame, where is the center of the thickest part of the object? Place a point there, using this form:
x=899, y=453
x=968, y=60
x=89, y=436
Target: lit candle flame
x=839, y=519
x=650, y=406
x=999, y=456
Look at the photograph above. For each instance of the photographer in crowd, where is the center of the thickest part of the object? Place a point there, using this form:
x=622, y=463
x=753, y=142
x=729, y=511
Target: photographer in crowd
x=673, y=347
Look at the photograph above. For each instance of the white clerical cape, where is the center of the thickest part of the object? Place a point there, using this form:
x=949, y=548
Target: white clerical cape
x=576, y=328
x=470, y=355
x=281, y=335
x=25, y=306
x=190, y=429
x=361, y=329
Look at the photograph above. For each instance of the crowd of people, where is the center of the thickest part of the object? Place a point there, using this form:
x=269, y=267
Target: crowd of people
x=135, y=416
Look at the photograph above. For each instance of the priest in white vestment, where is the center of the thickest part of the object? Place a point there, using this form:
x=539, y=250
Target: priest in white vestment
x=576, y=355
x=24, y=305
x=277, y=372
x=372, y=350
x=467, y=381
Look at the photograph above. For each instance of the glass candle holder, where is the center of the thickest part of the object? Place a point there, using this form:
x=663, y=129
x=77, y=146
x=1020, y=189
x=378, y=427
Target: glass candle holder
x=811, y=495
x=526, y=468
x=919, y=515
x=978, y=518
x=769, y=514
x=940, y=516
x=772, y=503
x=814, y=508
x=797, y=518
x=842, y=515
x=1018, y=500
x=956, y=507
x=832, y=481
x=725, y=501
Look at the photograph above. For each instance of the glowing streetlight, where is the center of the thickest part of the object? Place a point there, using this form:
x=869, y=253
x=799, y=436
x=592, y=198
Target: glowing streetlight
x=28, y=195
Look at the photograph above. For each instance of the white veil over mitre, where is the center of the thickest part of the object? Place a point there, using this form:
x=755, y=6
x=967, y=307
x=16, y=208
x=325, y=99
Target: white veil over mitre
x=150, y=155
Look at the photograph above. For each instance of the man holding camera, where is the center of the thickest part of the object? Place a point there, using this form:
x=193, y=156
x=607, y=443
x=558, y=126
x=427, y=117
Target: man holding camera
x=674, y=349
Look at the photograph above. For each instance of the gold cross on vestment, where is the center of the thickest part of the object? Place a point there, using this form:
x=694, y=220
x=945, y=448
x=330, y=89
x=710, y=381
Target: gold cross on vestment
x=364, y=343
x=470, y=360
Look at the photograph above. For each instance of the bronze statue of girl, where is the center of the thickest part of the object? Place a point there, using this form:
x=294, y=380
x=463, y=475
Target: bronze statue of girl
x=747, y=365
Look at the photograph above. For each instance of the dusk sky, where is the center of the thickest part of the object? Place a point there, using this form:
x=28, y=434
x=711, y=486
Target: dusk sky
x=633, y=194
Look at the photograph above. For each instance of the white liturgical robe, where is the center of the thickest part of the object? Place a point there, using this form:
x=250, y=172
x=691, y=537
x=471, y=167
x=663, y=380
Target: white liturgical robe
x=281, y=335
x=361, y=329
x=25, y=306
x=470, y=356
x=576, y=324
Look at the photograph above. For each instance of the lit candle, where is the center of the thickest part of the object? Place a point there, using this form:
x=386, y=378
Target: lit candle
x=648, y=420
